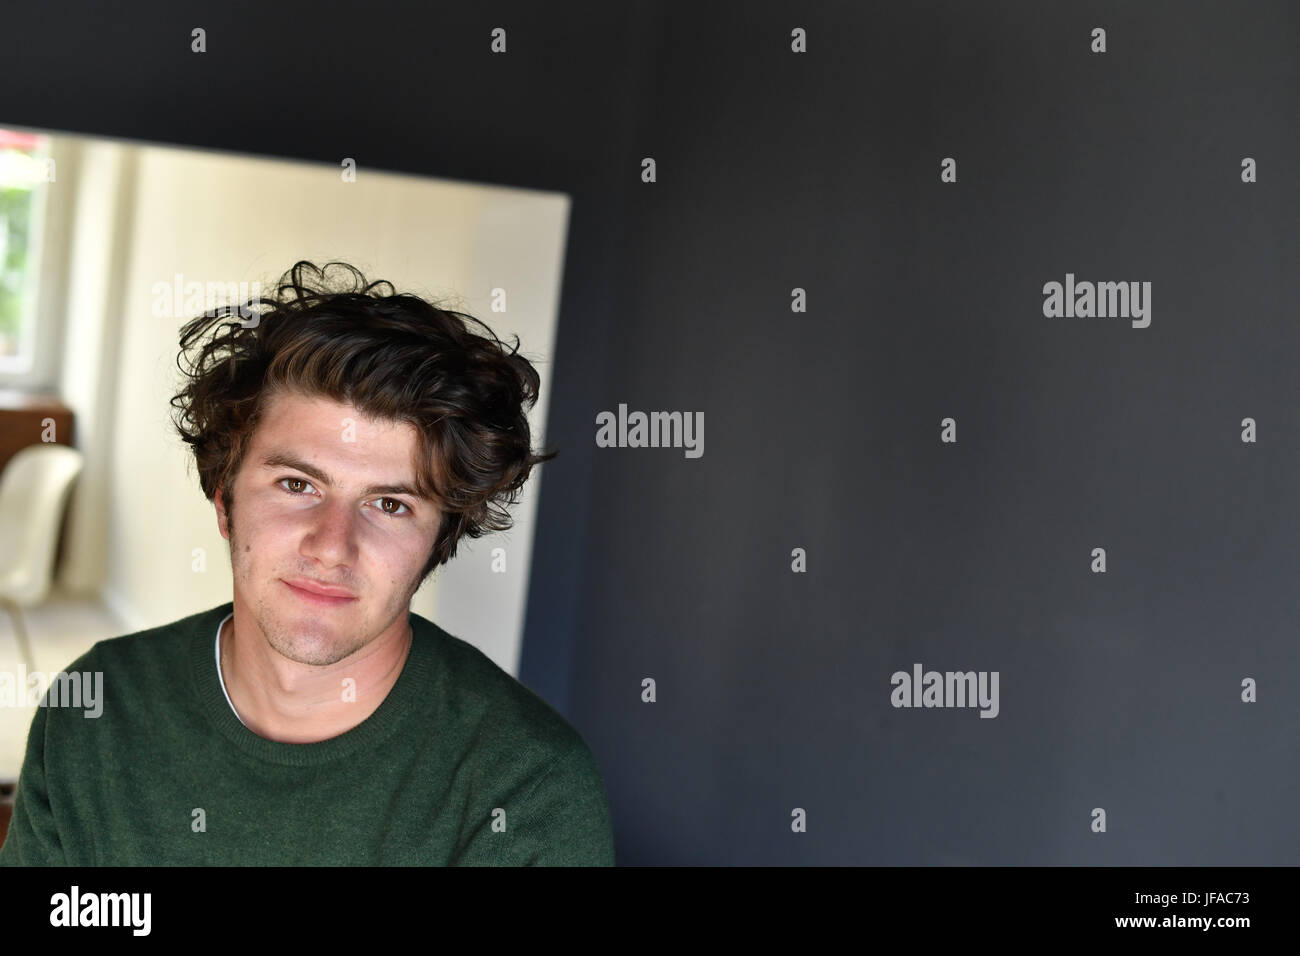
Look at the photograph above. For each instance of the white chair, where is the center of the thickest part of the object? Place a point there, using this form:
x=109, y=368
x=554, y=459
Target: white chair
x=34, y=488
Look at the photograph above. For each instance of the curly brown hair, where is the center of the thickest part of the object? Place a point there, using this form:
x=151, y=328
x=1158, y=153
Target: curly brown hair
x=396, y=358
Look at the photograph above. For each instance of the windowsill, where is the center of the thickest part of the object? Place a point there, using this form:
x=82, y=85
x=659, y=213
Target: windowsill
x=21, y=398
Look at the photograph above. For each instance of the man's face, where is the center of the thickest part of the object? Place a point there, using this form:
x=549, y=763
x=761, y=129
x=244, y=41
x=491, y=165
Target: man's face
x=317, y=499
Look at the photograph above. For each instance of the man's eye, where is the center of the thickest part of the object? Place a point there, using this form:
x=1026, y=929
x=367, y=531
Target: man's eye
x=300, y=481
x=392, y=514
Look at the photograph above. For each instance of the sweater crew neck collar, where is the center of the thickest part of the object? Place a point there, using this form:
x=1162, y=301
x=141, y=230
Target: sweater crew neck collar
x=405, y=694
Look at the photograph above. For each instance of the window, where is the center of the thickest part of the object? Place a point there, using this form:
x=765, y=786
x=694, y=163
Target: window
x=24, y=171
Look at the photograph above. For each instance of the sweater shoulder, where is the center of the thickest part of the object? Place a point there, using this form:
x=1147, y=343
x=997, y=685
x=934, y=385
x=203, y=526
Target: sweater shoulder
x=480, y=692
x=152, y=652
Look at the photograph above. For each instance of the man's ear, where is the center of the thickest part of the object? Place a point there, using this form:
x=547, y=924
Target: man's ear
x=223, y=518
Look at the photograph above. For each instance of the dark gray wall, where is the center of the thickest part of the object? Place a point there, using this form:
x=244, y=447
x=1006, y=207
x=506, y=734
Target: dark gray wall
x=821, y=171
x=1119, y=690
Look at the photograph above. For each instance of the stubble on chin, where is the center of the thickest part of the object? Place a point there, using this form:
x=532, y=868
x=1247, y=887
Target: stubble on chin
x=308, y=645
x=311, y=640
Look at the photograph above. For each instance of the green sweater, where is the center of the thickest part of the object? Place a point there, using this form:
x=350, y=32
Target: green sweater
x=460, y=765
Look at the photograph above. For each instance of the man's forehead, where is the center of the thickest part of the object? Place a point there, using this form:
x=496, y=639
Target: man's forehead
x=286, y=404
x=300, y=431
x=294, y=414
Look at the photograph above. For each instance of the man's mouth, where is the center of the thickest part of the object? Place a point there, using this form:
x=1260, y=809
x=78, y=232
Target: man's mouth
x=314, y=592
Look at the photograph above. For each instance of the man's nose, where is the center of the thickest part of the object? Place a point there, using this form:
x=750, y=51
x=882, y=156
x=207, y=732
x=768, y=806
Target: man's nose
x=332, y=537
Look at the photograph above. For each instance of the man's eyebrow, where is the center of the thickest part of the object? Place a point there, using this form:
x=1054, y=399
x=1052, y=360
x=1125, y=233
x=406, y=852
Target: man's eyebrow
x=286, y=460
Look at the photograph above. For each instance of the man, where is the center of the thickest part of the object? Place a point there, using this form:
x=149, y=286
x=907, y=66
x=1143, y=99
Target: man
x=348, y=440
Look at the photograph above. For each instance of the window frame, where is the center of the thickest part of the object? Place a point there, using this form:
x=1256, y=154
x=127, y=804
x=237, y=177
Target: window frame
x=42, y=321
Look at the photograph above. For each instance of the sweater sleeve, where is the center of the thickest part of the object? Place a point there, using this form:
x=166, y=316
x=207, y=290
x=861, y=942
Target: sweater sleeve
x=33, y=838
x=563, y=819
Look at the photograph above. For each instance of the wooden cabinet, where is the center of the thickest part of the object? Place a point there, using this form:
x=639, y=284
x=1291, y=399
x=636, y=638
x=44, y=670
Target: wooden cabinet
x=23, y=418
x=22, y=415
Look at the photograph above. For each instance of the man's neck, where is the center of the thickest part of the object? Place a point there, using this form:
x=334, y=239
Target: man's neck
x=289, y=702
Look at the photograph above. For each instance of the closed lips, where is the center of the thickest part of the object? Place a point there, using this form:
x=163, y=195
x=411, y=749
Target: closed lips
x=324, y=590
